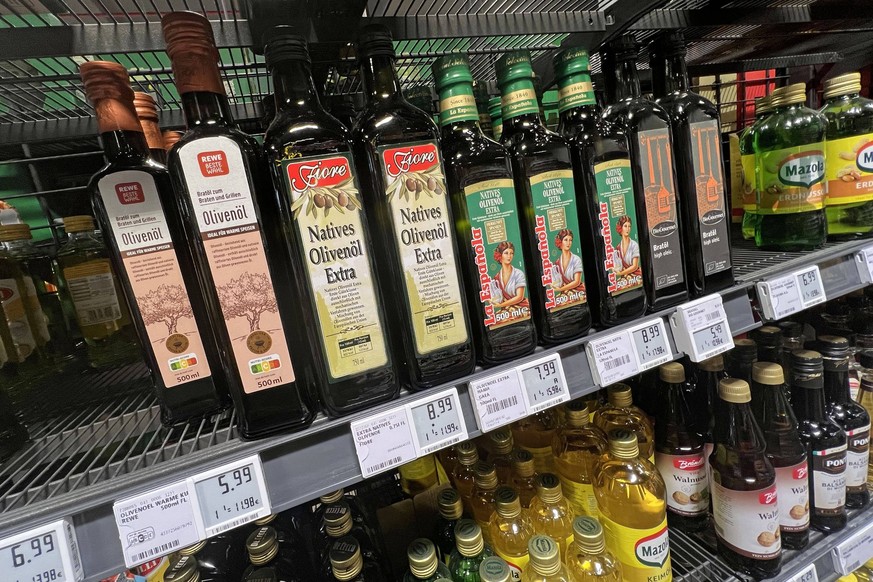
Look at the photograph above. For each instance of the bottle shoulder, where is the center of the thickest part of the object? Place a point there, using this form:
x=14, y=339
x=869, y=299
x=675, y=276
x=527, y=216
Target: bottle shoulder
x=306, y=134
x=637, y=114
x=389, y=122
x=688, y=107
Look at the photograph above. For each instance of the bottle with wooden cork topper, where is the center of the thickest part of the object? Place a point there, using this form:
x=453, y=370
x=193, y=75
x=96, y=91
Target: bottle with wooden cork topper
x=132, y=197
x=147, y=112
x=225, y=199
x=171, y=137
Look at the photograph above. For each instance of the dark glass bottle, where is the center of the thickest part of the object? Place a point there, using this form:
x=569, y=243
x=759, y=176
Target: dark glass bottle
x=182, y=569
x=265, y=552
x=316, y=185
x=786, y=452
x=769, y=341
x=398, y=146
x=647, y=127
x=705, y=397
x=338, y=522
x=348, y=564
x=699, y=167
x=177, y=340
x=605, y=188
x=738, y=364
x=451, y=510
x=825, y=443
x=851, y=416
x=13, y=435
x=479, y=179
x=547, y=195
x=234, y=232
x=147, y=112
x=221, y=558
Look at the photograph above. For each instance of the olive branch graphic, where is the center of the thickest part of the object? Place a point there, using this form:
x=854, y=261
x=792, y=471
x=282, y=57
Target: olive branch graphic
x=407, y=185
x=342, y=197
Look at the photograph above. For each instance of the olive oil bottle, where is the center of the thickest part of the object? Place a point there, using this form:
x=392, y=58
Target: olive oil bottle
x=147, y=112
x=232, y=226
x=19, y=333
x=603, y=170
x=547, y=194
x=495, y=111
x=621, y=412
x=317, y=187
x=747, y=161
x=511, y=530
x=551, y=513
x=487, y=221
x=588, y=559
x=398, y=147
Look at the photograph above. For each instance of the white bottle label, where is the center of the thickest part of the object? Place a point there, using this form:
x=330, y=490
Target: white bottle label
x=747, y=522
x=16, y=318
x=687, y=483
x=829, y=481
x=792, y=486
x=858, y=457
x=39, y=319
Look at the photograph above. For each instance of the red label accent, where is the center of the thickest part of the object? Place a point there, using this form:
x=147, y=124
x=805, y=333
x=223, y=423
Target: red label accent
x=213, y=164
x=767, y=497
x=410, y=159
x=689, y=463
x=323, y=173
x=130, y=193
x=6, y=293
x=801, y=472
x=148, y=567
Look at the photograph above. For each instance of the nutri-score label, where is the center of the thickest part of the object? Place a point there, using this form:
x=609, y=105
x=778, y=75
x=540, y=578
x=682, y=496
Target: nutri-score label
x=326, y=206
x=709, y=182
x=686, y=481
x=495, y=244
x=857, y=459
x=416, y=190
x=644, y=553
x=218, y=186
x=792, y=488
x=792, y=179
x=829, y=481
x=139, y=228
x=849, y=170
x=618, y=226
x=747, y=522
x=12, y=303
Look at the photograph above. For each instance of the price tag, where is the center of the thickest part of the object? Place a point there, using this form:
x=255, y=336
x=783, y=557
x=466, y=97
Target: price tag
x=384, y=441
x=808, y=574
x=864, y=259
x=851, y=554
x=230, y=496
x=498, y=400
x=788, y=294
x=611, y=358
x=701, y=328
x=651, y=346
x=811, y=287
x=438, y=421
x=544, y=383
x=49, y=553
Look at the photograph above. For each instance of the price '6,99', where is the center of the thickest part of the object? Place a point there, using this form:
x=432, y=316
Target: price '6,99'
x=45, y=554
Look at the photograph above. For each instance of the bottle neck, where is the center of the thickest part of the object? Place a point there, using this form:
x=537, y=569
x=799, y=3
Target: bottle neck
x=670, y=76
x=836, y=385
x=125, y=145
x=206, y=108
x=458, y=107
x=380, y=79
x=626, y=79
x=574, y=91
x=808, y=403
x=294, y=87
x=735, y=426
x=84, y=235
x=520, y=106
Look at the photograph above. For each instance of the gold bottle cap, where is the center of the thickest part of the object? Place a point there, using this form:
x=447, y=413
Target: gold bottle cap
x=450, y=505
x=768, y=373
x=193, y=549
x=183, y=569
x=847, y=84
x=523, y=463
x=714, y=364
x=623, y=444
x=337, y=519
x=577, y=413
x=734, y=390
x=494, y=569
x=762, y=105
x=346, y=560
x=545, y=555
x=266, y=520
x=588, y=534
x=619, y=395
x=81, y=223
x=549, y=488
x=468, y=538
x=506, y=502
x=10, y=232
x=791, y=95
x=262, y=545
x=467, y=453
x=333, y=496
x=673, y=373
x=485, y=476
x=501, y=442
x=422, y=558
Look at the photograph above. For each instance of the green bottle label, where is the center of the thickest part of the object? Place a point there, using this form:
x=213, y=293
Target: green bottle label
x=495, y=238
x=618, y=226
x=575, y=91
x=519, y=98
x=457, y=103
x=557, y=235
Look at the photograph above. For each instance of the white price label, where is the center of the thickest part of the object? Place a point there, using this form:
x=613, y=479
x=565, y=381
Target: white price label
x=384, y=441
x=701, y=328
x=808, y=574
x=156, y=523
x=849, y=555
x=864, y=260
x=230, y=496
x=788, y=294
x=544, y=383
x=611, y=358
x=498, y=400
x=811, y=287
x=49, y=553
x=438, y=421
x=651, y=345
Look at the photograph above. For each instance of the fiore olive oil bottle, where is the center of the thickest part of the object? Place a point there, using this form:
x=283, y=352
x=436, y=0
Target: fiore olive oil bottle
x=750, y=176
x=849, y=157
x=318, y=191
x=479, y=180
x=647, y=127
x=603, y=169
x=130, y=197
x=699, y=167
x=234, y=231
x=790, y=167
x=398, y=147
x=547, y=193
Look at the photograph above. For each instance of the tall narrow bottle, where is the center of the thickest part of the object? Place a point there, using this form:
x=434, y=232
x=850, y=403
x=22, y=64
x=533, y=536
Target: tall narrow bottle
x=487, y=221
x=318, y=191
x=534, y=434
x=547, y=193
x=451, y=509
x=464, y=475
x=511, y=529
x=769, y=343
x=502, y=447
x=482, y=499
x=130, y=196
x=576, y=447
x=622, y=413
x=524, y=476
x=744, y=497
x=233, y=230
x=471, y=550
x=424, y=566
x=709, y=373
x=348, y=564
x=738, y=364
x=747, y=160
x=398, y=146
x=147, y=112
x=588, y=559
x=603, y=171
x=647, y=127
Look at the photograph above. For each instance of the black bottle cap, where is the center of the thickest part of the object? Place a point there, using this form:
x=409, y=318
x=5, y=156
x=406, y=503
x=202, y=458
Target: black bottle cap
x=669, y=44
x=768, y=336
x=805, y=362
x=375, y=40
x=745, y=350
x=832, y=346
x=282, y=44
x=625, y=47
x=865, y=358
x=791, y=328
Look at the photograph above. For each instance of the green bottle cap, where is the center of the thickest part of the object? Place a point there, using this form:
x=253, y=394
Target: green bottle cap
x=451, y=69
x=515, y=77
x=571, y=61
x=454, y=83
x=514, y=66
x=494, y=108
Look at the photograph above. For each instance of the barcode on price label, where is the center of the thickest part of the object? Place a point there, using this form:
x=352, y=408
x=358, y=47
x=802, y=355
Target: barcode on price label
x=383, y=441
x=495, y=407
x=619, y=361
x=383, y=465
x=712, y=316
x=161, y=550
x=498, y=400
x=610, y=358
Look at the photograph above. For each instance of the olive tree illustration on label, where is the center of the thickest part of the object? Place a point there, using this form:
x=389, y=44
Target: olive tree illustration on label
x=792, y=180
x=709, y=182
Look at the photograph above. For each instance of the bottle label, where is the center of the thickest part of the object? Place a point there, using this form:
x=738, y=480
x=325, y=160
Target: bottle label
x=558, y=239
x=39, y=319
x=575, y=95
x=659, y=187
x=829, y=481
x=519, y=102
x=416, y=191
x=458, y=108
x=709, y=182
x=792, y=180
x=857, y=459
x=327, y=210
x=618, y=226
x=139, y=228
x=687, y=485
x=218, y=185
x=747, y=522
x=644, y=553
x=581, y=496
x=849, y=170
x=92, y=291
x=495, y=242
x=792, y=489
x=750, y=196
x=516, y=564
x=12, y=303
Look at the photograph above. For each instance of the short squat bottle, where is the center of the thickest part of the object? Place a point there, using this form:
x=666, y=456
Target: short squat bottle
x=545, y=562
x=451, y=510
x=577, y=446
x=469, y=552
x=424, y=566
x=621, y=413
x=551, y=512
x=511, y=529
x=588, y=559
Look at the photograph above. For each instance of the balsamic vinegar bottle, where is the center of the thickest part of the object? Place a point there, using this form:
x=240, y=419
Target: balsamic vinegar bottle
x=398, y=146
x=479, y=180
x=603, y=172
x=647, y=127
x=318, y=192
x=234, y=234
x=129, y=196
x=547, y=193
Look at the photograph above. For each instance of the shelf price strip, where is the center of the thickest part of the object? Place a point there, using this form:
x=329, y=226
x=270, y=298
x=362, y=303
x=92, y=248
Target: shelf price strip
x=49, y=553
x=701, y=328
x=864, y=259
x=850, y=554
x=407, y=432
x=808, y=574
x=628, y=352
x=788, y=294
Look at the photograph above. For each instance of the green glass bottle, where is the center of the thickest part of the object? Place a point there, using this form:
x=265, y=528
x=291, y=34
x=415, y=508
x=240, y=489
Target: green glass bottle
x=495, y=111
x=790, y=169
x=469, y=552
x=747, y=160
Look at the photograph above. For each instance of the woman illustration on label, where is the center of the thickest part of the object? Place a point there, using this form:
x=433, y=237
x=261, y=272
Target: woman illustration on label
x=568, y=267
x=510, y=282
x=626, y=257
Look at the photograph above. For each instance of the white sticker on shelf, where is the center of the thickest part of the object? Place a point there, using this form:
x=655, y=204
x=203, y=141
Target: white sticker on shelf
x=544, y=383
x=611, y=358
x=437, y=421
x=850, y=554
x=786, y=295
x=808, y=574
x=701, y=328
x=230, y=496
x=498, y=400
x=651, y=346
x=49, y=553
x=864, y=259
x=156, y=523
x=384, y=441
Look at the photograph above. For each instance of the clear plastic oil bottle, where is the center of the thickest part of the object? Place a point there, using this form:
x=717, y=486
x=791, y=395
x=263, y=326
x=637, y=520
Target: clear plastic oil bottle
x=588, y=559
x=577, y=446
